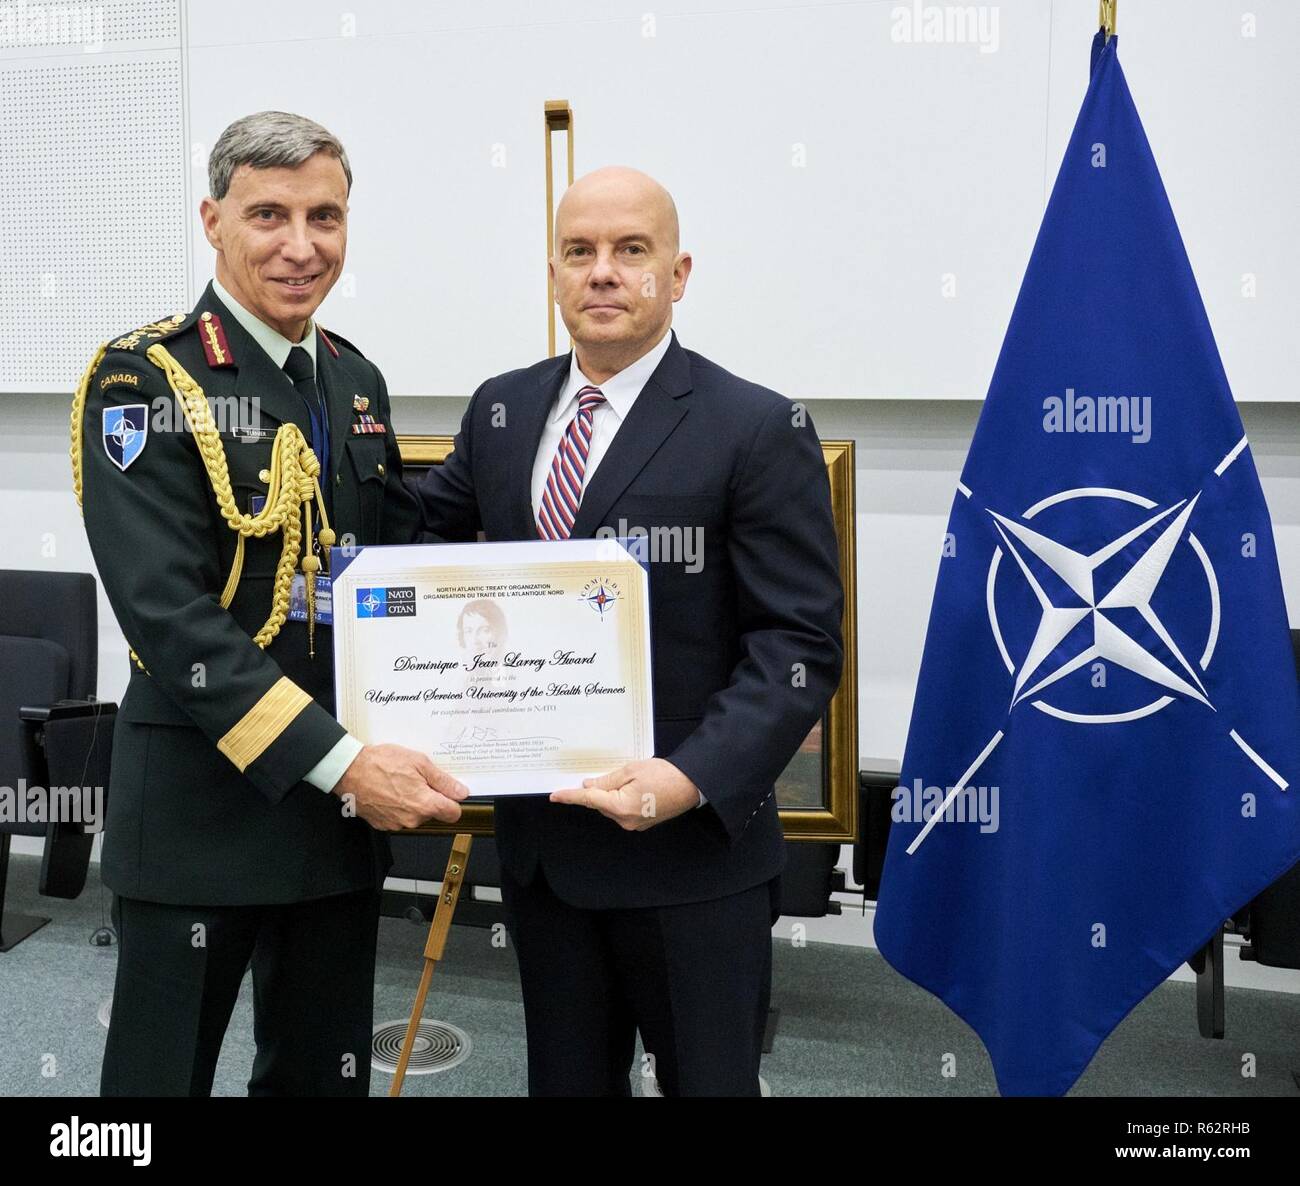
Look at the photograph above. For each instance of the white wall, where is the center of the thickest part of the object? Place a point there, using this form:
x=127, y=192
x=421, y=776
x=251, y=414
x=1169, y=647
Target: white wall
x=830, y=173
x=836, y=172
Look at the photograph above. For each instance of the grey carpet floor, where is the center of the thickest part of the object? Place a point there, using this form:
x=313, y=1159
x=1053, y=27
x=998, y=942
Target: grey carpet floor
x=848, y=1024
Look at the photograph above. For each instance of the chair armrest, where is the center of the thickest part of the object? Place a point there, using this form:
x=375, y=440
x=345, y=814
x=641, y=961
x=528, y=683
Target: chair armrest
x=65, y=709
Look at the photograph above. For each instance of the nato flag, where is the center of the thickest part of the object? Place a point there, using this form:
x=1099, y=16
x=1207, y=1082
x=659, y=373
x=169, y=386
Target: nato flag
x=1108, y=680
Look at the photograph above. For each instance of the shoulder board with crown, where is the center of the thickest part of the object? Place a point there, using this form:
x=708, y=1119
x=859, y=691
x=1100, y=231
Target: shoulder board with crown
x=153, y=332
x=334, y=341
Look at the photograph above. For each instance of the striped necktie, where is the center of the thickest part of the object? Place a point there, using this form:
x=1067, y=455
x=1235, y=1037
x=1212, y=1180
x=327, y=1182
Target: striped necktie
x=563, y=492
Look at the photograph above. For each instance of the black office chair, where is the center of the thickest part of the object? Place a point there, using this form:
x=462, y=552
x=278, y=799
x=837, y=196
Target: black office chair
x=1270, y=925
x=875, y=803
x=1275, y=914
x=53, y=733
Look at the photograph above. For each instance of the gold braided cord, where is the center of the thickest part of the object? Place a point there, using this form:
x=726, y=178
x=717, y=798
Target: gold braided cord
x=78, y=412
x=292, y=486
x=75, y=448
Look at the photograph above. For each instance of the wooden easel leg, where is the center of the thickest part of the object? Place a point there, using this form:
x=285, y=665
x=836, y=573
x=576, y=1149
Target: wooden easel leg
x=434, y=946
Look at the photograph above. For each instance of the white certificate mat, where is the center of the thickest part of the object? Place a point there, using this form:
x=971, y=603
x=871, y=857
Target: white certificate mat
x=520, y=668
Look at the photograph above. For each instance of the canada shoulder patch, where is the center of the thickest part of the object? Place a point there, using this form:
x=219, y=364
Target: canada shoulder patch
x=118, y=379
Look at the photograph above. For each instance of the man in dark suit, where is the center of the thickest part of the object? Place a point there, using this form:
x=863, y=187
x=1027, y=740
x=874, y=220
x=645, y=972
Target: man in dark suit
x=219, y=455
x=644, y=900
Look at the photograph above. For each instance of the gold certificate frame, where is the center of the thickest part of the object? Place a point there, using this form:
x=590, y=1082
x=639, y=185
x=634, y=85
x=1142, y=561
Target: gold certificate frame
x=818, y=792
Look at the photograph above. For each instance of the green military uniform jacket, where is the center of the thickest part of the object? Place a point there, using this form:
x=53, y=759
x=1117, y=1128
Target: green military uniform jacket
x=206, y=803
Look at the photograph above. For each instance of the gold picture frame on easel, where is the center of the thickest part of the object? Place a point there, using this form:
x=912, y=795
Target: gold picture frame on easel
x=559, y=118
x=818, y=792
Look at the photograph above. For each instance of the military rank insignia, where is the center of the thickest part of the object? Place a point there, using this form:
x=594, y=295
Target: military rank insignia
x=153, y=331
x=125, y=430
x=213, y=337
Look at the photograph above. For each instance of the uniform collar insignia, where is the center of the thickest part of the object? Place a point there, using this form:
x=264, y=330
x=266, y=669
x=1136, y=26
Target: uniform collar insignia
x=216, y=349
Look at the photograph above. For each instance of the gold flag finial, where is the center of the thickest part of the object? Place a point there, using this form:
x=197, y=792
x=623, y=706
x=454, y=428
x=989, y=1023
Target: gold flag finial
x=1106, y=19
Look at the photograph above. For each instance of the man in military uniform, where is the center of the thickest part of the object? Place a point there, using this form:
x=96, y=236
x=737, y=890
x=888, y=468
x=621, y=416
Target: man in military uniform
x=240, y=811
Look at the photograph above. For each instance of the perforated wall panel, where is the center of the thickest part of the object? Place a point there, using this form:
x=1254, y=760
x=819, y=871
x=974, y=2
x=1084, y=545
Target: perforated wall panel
x=92, y=207
x=29, y=29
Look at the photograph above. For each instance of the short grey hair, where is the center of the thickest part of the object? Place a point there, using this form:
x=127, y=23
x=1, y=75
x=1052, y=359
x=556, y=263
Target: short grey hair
x=267, y=140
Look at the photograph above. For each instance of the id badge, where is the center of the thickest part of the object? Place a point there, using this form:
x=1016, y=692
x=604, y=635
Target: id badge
x=324, y=600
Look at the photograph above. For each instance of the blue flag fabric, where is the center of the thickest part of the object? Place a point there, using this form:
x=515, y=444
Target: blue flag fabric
x=1107, y=678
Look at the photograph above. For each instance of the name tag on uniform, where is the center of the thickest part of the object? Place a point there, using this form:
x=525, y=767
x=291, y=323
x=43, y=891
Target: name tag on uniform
x=249, y=435
x=324, y=600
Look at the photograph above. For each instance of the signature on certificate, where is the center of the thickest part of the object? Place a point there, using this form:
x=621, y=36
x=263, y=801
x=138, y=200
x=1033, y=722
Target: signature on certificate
x=479, y=737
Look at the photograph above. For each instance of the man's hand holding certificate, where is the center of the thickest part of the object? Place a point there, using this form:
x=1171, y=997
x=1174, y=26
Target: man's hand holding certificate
x=519, y=668
x=395, y=787
x=636, y=796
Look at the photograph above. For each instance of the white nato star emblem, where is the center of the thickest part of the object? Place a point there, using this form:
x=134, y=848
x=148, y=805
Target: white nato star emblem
x=1133, y=590
x=124, y=433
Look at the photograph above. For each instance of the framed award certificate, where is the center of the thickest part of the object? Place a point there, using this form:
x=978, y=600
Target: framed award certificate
x=520, y=668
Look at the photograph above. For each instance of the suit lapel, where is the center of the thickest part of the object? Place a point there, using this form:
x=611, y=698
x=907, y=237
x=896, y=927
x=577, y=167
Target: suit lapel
x=525, y=443
x=657, y=411
x=340, y=381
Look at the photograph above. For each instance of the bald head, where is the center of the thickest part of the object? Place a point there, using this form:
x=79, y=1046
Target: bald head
x=616, y=188
x=618, y=267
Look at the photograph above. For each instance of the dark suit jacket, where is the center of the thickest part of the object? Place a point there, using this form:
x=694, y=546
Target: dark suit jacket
x=184, y=825
x=746, y=651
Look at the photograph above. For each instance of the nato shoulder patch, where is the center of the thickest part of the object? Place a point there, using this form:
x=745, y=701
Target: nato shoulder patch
x=126, y=428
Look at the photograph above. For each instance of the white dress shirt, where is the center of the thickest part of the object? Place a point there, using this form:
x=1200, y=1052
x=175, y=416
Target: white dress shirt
x=620, y=392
